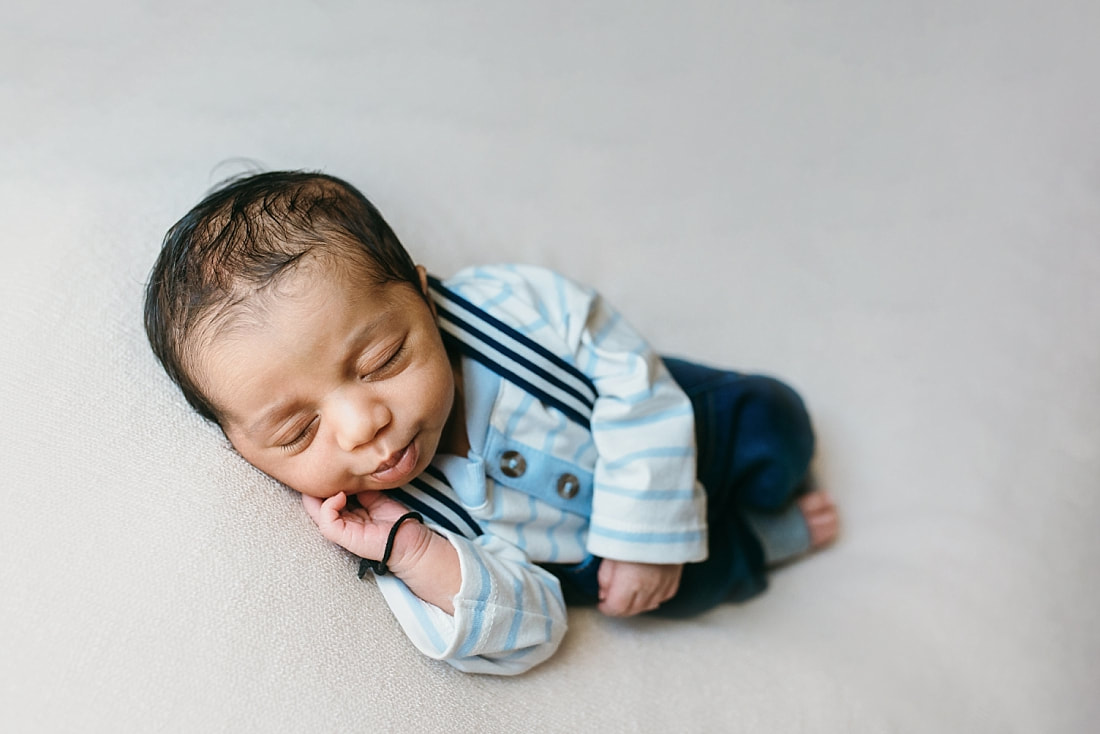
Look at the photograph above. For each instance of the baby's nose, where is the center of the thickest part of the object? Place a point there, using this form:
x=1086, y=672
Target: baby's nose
x=357, y=420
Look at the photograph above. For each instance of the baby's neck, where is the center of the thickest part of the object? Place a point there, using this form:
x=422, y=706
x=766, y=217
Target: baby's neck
x=455, y=440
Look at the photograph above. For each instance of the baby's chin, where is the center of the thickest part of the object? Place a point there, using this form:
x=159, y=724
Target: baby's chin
x=426, y=451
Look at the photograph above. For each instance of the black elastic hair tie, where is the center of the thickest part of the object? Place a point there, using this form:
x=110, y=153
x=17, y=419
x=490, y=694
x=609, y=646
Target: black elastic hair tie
x=379, y=567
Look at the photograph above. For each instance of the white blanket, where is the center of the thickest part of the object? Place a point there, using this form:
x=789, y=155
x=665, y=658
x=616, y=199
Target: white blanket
x=895, y=206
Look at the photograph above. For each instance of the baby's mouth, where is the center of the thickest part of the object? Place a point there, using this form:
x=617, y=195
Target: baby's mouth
x=398, y=465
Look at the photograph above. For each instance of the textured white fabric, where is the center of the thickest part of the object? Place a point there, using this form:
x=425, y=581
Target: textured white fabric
x=894, y=206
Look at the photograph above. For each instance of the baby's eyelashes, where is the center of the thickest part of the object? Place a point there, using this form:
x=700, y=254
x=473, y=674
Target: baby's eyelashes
x=387, y=367
x=302, y=438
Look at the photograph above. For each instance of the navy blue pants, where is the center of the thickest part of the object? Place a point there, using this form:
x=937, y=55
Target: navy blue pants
x=754, y=443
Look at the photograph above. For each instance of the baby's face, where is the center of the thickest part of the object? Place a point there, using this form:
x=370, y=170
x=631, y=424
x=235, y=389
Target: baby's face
x=331, y=385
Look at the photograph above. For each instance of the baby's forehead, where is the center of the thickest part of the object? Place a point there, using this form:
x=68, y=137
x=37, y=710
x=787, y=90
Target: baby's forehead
x=317, y=270
x=306, y=297
x=248, y=308
x=311, y=322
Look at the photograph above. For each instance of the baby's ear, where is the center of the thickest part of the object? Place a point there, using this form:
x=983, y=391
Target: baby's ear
x=422, y=273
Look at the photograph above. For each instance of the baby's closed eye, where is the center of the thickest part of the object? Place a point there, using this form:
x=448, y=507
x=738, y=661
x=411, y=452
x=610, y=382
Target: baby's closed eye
x=302, y=437
x=388, y=365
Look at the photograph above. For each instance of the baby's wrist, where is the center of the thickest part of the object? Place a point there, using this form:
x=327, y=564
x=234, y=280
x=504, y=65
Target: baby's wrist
x=411, y=544
x=427, y=563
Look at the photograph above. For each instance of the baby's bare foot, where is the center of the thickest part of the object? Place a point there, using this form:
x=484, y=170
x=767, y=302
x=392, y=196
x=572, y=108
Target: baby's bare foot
x=821, y=518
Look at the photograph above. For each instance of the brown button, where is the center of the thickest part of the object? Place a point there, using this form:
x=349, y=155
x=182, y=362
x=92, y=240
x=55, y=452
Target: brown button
x=568, y=486
x=513, y=464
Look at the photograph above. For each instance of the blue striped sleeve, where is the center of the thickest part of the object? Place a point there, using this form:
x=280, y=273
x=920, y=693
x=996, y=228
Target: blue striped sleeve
x=509, y=613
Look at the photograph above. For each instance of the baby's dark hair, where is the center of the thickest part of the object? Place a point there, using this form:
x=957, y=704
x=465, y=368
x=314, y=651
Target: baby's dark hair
x=238, y=240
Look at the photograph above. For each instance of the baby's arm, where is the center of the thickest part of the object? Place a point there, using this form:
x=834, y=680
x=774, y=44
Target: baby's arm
x=423, y=559
x=479, y=604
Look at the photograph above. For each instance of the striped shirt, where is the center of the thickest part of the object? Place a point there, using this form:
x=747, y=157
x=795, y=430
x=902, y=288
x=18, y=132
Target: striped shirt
x=547, y=482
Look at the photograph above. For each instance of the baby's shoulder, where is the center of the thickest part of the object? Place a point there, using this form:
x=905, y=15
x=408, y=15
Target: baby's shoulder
x=501, y=276
x=510, y=286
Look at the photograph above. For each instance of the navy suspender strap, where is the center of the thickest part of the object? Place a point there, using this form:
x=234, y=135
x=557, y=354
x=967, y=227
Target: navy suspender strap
x=431, y=493
x=513, y=356
x=516, y=358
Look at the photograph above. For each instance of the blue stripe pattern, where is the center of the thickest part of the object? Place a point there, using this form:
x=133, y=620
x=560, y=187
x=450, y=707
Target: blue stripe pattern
x=479, y=314
x=422, y=503
x=645, y=537
x=485, y=587
x=443, y=498
x=545, y=397
x=541, y=363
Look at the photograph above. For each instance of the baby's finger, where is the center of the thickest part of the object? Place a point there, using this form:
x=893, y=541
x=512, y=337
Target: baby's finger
x=312, y=505
x=647, y=602
x=618, y=602
x=604, y=575
x=370, y=499
x=669, y=589
x=331, y=508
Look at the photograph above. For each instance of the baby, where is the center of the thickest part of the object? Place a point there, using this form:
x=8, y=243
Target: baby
x=492, y=444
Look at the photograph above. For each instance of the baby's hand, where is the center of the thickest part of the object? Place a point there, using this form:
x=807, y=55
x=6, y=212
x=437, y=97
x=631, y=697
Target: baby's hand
x=364, y=530
x=628, y=588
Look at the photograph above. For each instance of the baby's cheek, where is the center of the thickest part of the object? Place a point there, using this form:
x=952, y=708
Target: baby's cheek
x=297, y=475
x=318, y=475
